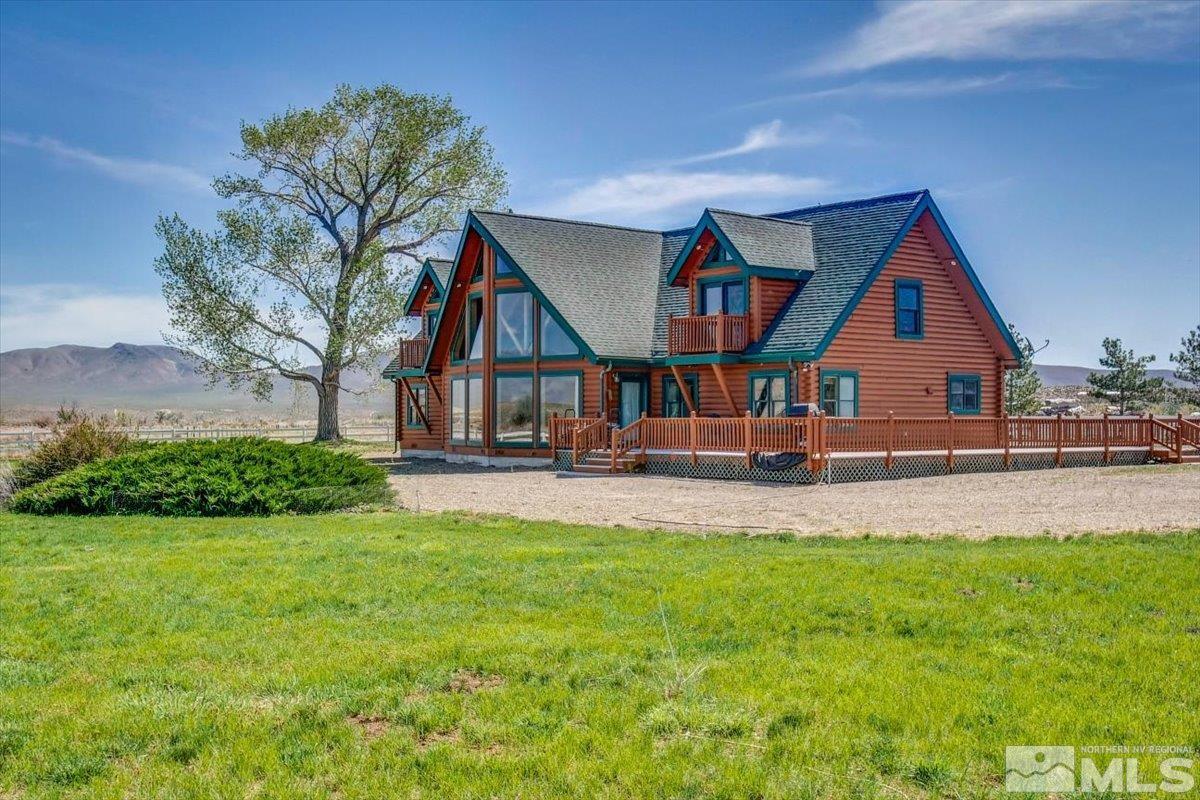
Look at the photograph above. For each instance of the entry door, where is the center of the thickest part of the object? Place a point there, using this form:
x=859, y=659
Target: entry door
x=633, y=398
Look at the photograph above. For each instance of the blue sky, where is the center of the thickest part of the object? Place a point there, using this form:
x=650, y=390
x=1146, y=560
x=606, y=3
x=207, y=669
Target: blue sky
x=1061, y=140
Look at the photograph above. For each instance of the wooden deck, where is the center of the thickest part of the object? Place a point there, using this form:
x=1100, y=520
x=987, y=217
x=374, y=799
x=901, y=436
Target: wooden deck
x=596, y=447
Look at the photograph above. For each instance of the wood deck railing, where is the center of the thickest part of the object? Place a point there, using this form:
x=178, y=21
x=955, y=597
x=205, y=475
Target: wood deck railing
x=411, y=353
x=819, y=437
x=713, y=333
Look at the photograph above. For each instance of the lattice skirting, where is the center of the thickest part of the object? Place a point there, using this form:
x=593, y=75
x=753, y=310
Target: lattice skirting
x=848, y=470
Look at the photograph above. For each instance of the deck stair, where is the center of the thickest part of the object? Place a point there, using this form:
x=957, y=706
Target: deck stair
x=600, y=462
x=1175, y=441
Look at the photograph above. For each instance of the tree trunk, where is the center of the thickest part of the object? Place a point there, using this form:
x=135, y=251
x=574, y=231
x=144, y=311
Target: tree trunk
x=327, y=409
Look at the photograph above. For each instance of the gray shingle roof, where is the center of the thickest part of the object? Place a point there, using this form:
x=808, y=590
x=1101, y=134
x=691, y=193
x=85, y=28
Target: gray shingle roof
x=848, y=239
x=767, y=241
x=602, y=279
x=441, y=268
x=609, y=283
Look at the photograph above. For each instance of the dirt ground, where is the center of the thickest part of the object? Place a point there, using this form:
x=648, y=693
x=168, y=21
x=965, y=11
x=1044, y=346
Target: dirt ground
x=1059, y=502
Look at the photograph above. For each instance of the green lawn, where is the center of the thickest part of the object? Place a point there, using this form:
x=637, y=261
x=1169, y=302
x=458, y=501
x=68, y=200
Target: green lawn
x=393, y=655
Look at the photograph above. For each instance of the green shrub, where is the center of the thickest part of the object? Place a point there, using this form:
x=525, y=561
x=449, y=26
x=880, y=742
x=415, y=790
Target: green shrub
x=232, y=477
x=78, y=439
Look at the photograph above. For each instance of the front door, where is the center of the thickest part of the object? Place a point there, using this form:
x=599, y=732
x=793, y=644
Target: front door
x=632, y=398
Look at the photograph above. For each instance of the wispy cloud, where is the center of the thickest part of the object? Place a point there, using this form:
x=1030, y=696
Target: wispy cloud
x=138, y=171
x=1015, y=29
x=768, y=136
x=928, y=87
x=636, y=196
x=41, y=315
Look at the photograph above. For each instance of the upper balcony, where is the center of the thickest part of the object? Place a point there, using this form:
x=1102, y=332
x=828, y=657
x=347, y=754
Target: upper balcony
x=411, y=354
x=711, y=333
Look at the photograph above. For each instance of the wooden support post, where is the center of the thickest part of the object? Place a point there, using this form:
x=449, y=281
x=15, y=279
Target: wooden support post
x=693, y=435
x=1179, y=438
x=1104, y=438
x=950, y=441
x=616, y=437
x=720, y=322
x=683, y=389
x=891, y=440
x=1058, y=440
x=412, y=398
x=1006, y=438
x=747, y=436
x=716, y=368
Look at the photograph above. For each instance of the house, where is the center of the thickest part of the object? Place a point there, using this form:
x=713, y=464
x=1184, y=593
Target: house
x=858, y=309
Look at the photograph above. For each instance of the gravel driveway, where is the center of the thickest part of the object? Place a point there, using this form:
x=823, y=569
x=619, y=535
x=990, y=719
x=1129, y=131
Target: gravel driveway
x=1151, y=498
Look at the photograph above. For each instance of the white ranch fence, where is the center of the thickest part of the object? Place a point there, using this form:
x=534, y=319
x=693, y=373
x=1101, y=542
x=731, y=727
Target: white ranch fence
x=14, y=444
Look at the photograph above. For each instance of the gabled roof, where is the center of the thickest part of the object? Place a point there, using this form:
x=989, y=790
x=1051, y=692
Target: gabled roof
x=612, y=287
x=849, y=240
x=853, y=242
x=761, y=245
x=437, y=270
x=602, y=279
x=766, y=241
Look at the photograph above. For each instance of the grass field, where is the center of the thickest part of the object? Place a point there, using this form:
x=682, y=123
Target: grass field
x=394, y=655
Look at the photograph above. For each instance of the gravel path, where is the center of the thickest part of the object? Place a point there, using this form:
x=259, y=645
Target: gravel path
x=1151, y=498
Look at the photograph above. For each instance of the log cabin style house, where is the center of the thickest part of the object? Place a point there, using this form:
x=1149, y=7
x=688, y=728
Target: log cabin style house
x=861, y=308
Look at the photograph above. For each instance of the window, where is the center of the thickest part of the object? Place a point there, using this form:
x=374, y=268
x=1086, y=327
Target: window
x=514, y=325
x=411, y=418
x=769, y=394
x=477, y=272
x=727, y=297
x=674, y=404
x=458, y=346
x=428, y=321
x=475, y=327
x=559, y=394
x=502, y=267
x=475, y=410
x=514, y=410
x=839, y=393
x=910, y=309
x=554, y=340
x=466, y=410
x=964, y=394
x=717, y=254
x=458, y=410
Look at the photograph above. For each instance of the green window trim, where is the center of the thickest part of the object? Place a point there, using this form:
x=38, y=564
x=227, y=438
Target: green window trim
x=468, y=340
x=544, y=314
x=917, y=313
x=411, y=418
x=966, y=380
x=577, y=374
x=534, y=387
x=773, y=374
x=731, y=278
x=692, y=379
x=837, y=373
x=534, y=313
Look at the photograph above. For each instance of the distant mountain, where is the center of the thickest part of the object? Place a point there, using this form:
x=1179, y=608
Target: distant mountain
x=1059, y=375
x=145, y=377
x=150, y=377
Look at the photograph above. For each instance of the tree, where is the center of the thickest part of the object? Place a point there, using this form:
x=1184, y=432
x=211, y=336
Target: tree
x=1188, y=366
x=1022, y=384
x=1125, y=381
x=312, y=262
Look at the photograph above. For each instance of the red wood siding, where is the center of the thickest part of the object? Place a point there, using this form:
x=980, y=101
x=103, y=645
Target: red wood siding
x=908, y=377
x=767, y=296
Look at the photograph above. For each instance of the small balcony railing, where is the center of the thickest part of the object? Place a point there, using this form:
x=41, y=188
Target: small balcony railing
x=713, y=333
x=412, y=353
